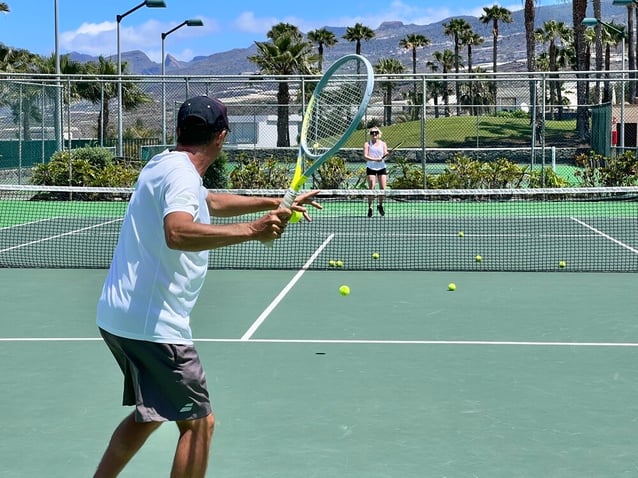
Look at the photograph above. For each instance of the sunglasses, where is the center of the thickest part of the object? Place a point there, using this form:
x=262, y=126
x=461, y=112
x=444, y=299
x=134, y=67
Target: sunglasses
x=374, y=132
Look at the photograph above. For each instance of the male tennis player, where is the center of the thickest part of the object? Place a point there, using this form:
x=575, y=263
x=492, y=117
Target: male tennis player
x=157, y=272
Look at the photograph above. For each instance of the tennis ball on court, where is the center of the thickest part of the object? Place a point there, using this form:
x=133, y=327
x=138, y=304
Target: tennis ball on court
x=344, y=290
x=451, y=286
x=339, y=263
x=562, y=264
x=295, y=217
x=332, y=263
x=478, y=258
x=461, y=233
x=375, y=255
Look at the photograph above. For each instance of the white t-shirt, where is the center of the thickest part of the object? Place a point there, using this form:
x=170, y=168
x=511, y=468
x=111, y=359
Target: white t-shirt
x=150, y=289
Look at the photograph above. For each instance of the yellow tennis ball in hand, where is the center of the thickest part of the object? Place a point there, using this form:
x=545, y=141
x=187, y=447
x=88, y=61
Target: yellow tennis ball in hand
x=451, y=286
x=295, y=217
x=344, y=290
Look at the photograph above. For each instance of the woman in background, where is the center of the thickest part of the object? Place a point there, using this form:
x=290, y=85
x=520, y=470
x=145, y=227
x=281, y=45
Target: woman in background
x=374, y=152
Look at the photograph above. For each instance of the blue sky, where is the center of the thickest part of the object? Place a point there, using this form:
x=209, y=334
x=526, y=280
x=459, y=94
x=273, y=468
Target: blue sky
x=89, y=26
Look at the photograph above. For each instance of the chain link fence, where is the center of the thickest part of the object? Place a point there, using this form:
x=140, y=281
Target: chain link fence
x=528, y=119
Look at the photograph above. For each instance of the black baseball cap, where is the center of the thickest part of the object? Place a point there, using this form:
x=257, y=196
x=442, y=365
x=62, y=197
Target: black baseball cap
x=209, y=110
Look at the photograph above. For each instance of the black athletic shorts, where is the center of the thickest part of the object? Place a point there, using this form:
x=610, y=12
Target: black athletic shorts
x=376, y=172
x=165, y=382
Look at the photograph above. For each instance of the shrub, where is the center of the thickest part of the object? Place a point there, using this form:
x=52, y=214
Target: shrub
x=405, y=175
x=551, y=180
x=333, y=174
x=598, y=170
x=215, y=176
x=87, y=166
x=251, y=173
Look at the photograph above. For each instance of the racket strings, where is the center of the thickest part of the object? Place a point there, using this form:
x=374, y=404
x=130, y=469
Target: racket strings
x=335, y=108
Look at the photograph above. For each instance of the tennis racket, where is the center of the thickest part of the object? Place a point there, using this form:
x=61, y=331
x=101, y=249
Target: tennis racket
x=392, y=149
x=334, y=112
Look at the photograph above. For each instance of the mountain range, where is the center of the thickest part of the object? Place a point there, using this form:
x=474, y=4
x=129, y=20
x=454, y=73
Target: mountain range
x=385, y=44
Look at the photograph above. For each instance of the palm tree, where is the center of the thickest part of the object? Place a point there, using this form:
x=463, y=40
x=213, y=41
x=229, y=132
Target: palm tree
x=412, y=42
x=47, y=66
x=447, y=60
x=469, y=39
x=322, y=37
x=21, y=97
x=530, y=48
x=286, y=54
x=436, y=88
x=611, y=37
x=357, y=33
x=455, y=29
x=530, y=38
x=281, y=29
x=101, y=93
x=17, y=60
x=388, y=66
x=494, y=15
x=579, y=11
x=4, y=8
x=554, y=34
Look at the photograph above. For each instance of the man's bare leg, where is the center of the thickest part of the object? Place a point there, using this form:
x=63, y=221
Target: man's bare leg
x=126, y=440
x=193, y=447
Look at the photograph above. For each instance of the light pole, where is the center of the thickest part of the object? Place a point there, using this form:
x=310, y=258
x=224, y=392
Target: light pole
x=592, y=22
x=193, y=22
x=58, y=86
x=146, y=3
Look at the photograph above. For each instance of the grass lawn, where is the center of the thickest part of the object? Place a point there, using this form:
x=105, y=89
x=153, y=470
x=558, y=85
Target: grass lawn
x=463, y=131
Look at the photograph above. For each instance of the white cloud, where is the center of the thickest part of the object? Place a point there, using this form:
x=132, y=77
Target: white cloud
x=101, y=38
x=248, y=23
x=90, y=38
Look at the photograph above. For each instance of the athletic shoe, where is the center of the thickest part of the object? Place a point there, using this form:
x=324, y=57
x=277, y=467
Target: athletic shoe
x=381, y=210
x=369, y=212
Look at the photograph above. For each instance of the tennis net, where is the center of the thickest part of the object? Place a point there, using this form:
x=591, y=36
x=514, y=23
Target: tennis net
x=570, y=229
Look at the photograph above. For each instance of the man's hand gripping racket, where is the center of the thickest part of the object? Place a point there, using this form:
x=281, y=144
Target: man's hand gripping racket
x=334, y=112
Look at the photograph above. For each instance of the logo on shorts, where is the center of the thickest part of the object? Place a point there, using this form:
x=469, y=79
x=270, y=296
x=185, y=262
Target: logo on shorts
x=187, y=408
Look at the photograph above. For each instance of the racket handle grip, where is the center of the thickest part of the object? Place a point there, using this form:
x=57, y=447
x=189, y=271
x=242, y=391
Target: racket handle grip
x=287, y=201
x=289, y=198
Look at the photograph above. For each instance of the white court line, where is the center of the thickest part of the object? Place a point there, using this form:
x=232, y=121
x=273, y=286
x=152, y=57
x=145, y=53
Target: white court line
x=57, y=236
x=253, y=328
x=357, y=342
x=606, y=236
x=26, y=224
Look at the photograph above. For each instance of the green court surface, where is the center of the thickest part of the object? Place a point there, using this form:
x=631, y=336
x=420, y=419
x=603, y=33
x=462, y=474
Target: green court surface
x=511, y=375
x=516, y=230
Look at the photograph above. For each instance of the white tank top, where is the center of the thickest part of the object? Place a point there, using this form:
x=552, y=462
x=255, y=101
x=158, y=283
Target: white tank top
x=375, y=150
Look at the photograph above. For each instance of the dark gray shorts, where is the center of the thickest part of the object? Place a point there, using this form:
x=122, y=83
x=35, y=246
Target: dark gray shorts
x=165, y=382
